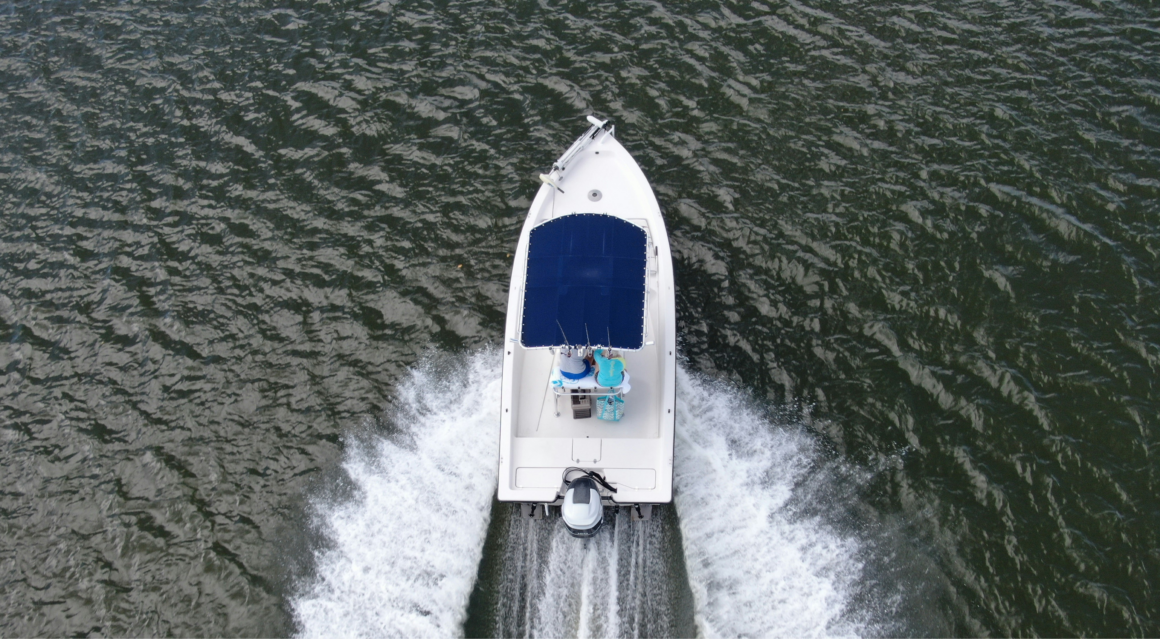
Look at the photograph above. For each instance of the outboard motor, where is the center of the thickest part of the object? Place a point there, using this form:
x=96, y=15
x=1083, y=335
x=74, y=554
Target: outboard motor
x=582, y=511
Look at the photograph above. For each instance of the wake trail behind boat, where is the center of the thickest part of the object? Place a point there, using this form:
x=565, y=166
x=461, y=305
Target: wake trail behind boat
x=402, y=555
x=755, y=563
x=755, y=568
x=620, y=583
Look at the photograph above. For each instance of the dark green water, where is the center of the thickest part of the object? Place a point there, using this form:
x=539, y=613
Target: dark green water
x=919, y=242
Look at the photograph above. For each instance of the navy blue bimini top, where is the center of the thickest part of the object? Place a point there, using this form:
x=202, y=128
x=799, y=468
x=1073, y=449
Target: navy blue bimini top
x=585, y=269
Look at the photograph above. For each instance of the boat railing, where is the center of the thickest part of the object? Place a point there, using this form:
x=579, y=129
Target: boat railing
x=579, y=145
x=563, y=391
x=599, y=391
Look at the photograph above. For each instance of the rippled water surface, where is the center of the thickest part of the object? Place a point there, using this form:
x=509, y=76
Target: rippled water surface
x=254, y=259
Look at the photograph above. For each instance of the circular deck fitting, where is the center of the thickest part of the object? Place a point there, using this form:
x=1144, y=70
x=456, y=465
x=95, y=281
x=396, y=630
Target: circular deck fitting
x=594, y=195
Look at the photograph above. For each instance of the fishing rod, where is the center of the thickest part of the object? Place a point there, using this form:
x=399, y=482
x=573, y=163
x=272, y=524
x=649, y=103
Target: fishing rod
x=564, y=334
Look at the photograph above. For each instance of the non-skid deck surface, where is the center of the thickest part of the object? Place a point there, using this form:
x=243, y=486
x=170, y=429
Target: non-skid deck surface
x=537, y=411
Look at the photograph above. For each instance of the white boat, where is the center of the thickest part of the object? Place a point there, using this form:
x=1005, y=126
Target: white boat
x=592, y=276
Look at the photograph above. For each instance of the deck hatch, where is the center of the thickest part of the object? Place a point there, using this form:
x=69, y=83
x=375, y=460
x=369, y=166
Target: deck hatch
x=586, y=450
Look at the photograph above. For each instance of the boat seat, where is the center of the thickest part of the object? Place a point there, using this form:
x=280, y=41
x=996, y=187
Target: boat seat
x=588, y=383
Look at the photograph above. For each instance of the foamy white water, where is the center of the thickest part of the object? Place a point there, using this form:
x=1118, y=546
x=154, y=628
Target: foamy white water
x=616, y=584
x=403, y=553
x=755, y=569
x=577, y=592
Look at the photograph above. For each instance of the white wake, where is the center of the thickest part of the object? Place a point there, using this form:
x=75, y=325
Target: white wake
x=403, y=553
x=616, y=584
x=755, y=569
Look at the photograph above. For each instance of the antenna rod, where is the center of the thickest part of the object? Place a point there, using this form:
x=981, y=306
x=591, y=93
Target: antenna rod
x=563, y=333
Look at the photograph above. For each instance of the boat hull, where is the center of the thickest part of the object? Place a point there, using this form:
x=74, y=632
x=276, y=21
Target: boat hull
x=539, y=436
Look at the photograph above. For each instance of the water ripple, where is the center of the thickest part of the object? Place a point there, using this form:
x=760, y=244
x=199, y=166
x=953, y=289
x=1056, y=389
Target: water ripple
x=227, y=233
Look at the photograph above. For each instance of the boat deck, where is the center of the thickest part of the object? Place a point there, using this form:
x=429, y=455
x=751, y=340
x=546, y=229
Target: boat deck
x=537, y=410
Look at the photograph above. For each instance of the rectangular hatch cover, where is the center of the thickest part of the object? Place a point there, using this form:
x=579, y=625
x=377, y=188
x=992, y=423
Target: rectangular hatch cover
x=586, y=451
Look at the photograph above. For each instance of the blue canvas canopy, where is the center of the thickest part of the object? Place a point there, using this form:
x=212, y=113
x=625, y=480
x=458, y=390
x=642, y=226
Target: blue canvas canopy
x=585, y=270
